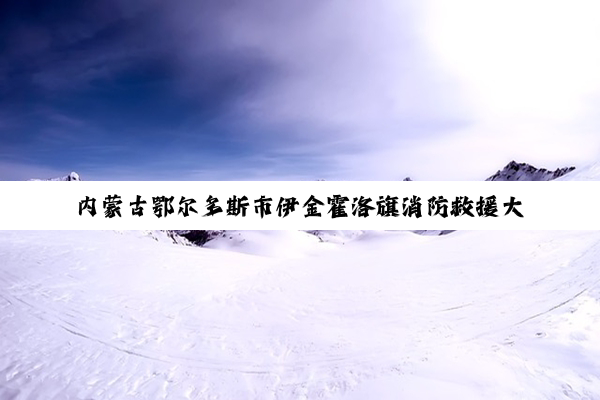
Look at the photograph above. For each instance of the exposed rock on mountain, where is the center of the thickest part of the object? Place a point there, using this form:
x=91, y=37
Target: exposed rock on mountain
x=524, y=172
x=198, y=238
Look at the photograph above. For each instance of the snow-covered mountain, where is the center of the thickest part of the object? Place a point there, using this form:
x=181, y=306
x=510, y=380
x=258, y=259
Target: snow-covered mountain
x=73, y=176
x=524, y=172
x=382, y=315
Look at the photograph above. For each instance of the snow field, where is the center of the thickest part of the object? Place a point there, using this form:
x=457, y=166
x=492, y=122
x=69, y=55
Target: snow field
x=386, y=315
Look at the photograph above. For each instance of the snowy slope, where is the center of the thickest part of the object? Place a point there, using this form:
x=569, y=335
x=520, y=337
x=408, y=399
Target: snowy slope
x=588, y=173
x=392, y=315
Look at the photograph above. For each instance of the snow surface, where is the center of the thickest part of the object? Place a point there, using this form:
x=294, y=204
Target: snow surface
x=389, y=315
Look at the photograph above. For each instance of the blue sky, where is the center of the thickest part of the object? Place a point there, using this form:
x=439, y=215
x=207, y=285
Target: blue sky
x=351, y=90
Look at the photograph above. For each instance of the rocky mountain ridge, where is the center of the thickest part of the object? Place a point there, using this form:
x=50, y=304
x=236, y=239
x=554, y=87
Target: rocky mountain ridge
x=514, y=171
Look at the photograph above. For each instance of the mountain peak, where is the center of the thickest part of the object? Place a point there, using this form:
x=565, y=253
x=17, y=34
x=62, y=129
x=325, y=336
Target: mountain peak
x=73, y=176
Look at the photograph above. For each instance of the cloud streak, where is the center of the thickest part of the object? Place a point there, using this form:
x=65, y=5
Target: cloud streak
x=352, y=68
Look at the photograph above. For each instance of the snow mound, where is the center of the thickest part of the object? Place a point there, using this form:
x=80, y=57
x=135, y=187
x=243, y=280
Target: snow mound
x=524, y=172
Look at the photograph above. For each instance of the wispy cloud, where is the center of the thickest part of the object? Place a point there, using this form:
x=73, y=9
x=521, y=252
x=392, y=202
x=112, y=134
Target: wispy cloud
x=351, y=70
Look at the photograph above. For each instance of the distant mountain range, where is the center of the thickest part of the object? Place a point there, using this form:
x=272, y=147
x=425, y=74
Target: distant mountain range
x=73, y=176
x=513, y=171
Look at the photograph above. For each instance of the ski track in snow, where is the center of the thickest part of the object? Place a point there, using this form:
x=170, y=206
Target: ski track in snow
x=392, y=315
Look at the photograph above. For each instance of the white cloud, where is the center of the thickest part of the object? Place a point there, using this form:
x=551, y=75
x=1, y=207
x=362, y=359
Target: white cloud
x=348, y=68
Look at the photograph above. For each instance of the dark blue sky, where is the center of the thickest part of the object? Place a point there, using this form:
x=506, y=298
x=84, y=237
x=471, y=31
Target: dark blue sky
x=182, y=90
x=107, y=88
